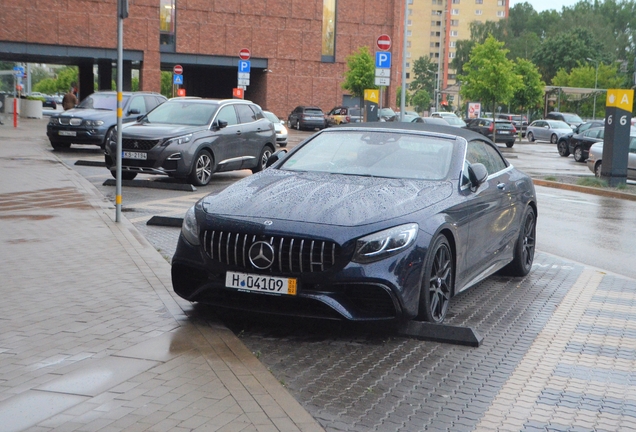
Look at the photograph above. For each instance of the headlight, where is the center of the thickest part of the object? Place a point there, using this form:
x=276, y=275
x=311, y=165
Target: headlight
x=385, y=243
x=94, y=122
x=283, y=130
x=178, y=140
x=190, y=227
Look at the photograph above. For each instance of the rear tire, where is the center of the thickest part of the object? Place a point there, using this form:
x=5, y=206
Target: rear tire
x=554, y=139
x=578, y=154
x=437, y=282
x=521, y=263
x=530, y=137
x=510, y=144
x=562, y=148
x=202, y=169
x=265, y=154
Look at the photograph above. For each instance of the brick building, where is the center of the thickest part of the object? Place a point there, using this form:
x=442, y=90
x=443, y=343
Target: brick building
x=295, y=58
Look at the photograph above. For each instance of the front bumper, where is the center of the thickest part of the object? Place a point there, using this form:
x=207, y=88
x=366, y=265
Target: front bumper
x=76, y=135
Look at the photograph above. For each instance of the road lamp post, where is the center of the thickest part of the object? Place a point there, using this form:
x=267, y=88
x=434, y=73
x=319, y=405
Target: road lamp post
x=595, y=86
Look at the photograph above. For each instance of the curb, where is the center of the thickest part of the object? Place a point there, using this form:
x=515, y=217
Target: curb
x=586, y=189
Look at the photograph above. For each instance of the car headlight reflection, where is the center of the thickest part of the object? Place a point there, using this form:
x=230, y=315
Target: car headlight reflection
x=385, y=243
x=179, y=140
x=94, y=122
x=190, y=227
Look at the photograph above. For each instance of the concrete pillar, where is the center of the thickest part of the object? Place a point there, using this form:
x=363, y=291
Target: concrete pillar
x=105, y=74
x=86, y=80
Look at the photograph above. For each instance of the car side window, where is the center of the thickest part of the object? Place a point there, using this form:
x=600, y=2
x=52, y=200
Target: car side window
x=150, y=102
x=632, y=145
x=228, y=114
x=245, y=114
x=138, y=102
x=482, y=152
x=258, y=113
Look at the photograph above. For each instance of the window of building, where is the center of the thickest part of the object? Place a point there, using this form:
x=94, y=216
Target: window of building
x=501, y=2
x=451, y=55
x=408, y=54
x=408, y=75
x=408, y=32
x=408, y=22
x=410, y=12
x=454, y=23
x=478, y=12
x=454, y=11
x=167, y=29
x=479, y=1
x=410, y=2
x=455, y=1
x=454, y=33
x=452, y=76
x=436, y=34
x=329, y=31
x=436, y=23
x=434, y=44
x=452, y=44
x=435, y=12
x=408, y=65
x=501, y=14
x=408, y=44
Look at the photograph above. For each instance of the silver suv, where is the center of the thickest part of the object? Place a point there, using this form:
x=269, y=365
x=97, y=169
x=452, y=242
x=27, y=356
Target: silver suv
x=192, y=138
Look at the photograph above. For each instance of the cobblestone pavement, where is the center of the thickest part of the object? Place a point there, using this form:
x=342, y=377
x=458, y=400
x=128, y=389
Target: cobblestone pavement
x=558, y=354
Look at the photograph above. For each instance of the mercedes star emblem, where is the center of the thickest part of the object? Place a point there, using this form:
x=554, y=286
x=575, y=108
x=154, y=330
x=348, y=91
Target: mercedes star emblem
x=261, y=255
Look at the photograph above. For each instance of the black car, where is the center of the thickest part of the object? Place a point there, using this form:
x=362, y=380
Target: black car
x=564, y=146
x=580, y=144
x=94, y=120
x=503, y=130
x=49, y=102
x=520, y=121
x=307, y=117
x=192, y=138
x=367, y=222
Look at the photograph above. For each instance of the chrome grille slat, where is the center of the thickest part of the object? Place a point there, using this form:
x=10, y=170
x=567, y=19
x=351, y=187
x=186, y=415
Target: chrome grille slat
x=292, y=255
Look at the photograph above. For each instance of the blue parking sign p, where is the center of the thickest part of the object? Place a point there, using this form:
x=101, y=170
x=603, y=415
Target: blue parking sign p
x=244, y=66
x=383, y=59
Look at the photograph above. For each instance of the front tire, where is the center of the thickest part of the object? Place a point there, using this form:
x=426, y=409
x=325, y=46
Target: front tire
x=265, y=154
x=437, y=282
x=562, y=148
x=297, y=124
x=530, y=137
x=202, y=169
x=111, y=136
x=521, y=263
x=554, y=139
x=578, y=154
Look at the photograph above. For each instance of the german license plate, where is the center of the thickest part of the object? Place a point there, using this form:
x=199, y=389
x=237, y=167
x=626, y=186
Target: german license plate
x=260, y=283
x=135, y=155
x=504, y=132
x=67, y=133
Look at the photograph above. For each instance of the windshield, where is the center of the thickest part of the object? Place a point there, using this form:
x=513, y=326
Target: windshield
x=374, y=154
x=558, y=124
x=271, y=117
x=183, y=112
x=103, y=101
x=314, y=111
x=572, y=118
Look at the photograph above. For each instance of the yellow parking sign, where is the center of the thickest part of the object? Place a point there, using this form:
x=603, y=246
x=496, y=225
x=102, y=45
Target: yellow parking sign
x=372, y=95
x=619, y=98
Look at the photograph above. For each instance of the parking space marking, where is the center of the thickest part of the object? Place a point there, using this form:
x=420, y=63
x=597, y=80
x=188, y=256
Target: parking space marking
x=533, y=374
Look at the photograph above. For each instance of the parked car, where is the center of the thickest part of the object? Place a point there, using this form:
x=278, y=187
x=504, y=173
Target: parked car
x=520, y=121
x=563, y=144
x=548, y=130
x=407, y=118
x=430, y=120
x=344, y=115
x=192, y=138
x=595, y=157
x=572, y=119
x=279, y=127
x=503, y=130
x=579, y=144
x=93, y=121
x=367, y=222
x=387, y=115
x=49, y=102
x=307, y=117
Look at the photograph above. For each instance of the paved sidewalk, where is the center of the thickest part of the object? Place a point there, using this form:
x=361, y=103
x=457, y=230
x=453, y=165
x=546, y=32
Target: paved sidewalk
x=93, y=337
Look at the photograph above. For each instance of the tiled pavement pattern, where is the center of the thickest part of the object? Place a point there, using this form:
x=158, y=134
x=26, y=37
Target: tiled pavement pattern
x=93, y=339
x=91, y=336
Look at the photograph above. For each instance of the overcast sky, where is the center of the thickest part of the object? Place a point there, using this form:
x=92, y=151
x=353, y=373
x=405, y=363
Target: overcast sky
x=541, y=5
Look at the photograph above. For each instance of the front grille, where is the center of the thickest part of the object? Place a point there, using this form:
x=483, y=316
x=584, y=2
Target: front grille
x=291, y=255
x=72, y=121
x=138, y=144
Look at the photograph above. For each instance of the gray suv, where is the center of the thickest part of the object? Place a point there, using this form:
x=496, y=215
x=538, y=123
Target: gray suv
x=192, y=138
x=93, y=121
x=572, y=119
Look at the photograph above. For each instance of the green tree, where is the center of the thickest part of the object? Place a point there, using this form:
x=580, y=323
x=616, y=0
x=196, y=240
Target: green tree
x=398, y=97
x=489, y=76
x=529, y=94
x=166, y=84
x=360, y=73
x=421, y=100
x=424, y=74
x=46, y=86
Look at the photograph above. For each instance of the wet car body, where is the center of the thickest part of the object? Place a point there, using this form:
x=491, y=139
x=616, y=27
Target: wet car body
x=595, y=157
x=313, y=225
x=579, y=144
x=502, y=130
x=548, y=130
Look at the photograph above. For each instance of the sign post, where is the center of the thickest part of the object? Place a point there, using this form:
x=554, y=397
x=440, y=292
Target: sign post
x=244, y=68
x=371, y=99
x=382, y=63
x=618, y=116
x=177, y=79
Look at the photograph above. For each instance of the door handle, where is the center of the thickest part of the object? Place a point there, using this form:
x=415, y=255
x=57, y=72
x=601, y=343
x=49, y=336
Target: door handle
x=501, y=186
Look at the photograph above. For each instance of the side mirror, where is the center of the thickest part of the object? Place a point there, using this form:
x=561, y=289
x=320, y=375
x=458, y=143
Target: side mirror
x=134, y=111
x=219, y=124
x=478, y=174
x=275, y=157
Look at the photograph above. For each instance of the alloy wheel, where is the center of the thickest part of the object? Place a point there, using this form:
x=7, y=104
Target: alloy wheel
x=440, y=283
x=529, y=236
x=203, y=169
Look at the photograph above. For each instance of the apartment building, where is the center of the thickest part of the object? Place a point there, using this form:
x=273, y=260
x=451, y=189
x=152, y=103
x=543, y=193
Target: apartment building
x=433, y=29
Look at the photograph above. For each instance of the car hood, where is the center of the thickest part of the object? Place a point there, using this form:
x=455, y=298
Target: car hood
x=322, y=198
x=90, y=114
x=157, y=131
